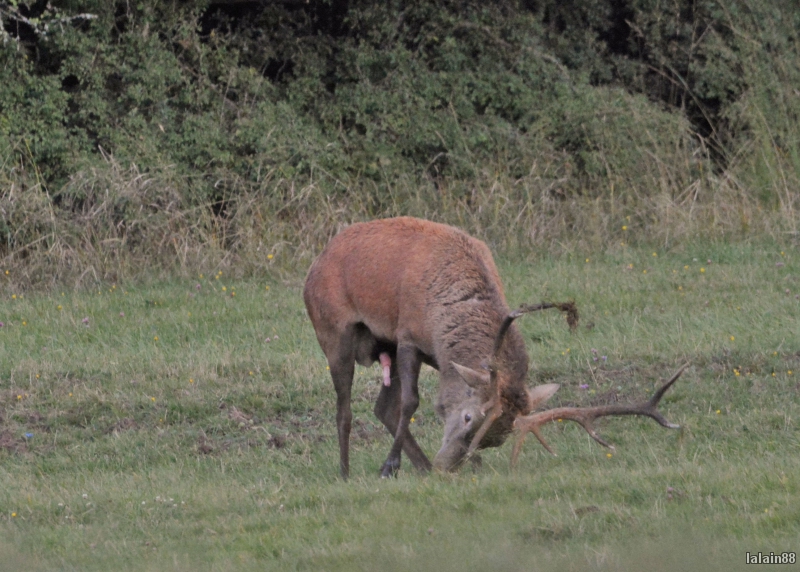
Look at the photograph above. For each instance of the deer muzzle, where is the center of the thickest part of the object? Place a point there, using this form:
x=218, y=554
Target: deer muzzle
x=450, y=457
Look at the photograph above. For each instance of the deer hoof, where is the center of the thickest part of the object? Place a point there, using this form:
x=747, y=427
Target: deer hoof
x=390, y=469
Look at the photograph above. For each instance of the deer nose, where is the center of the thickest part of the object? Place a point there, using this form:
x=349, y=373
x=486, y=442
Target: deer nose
x=449, y=459
x=441, y=466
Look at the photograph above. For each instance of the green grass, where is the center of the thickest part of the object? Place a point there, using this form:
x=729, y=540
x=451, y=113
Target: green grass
x=168, y=434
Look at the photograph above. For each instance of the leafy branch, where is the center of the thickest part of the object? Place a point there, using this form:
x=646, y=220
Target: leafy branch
x=11, y=11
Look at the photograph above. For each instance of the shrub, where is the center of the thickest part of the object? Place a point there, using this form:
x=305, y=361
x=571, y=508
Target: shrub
x=167, y=134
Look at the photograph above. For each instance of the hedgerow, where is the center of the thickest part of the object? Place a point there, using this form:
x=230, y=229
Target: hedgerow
x=162, y=135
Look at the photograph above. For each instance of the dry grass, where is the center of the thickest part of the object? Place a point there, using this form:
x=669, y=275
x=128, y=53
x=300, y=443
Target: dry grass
x=133, y=225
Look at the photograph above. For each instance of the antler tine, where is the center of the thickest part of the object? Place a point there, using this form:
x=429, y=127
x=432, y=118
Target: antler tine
x=495, y=411
x=653, y=403
x=501, y=334
x=569, y=308
x=586, y=415
x=523, y=432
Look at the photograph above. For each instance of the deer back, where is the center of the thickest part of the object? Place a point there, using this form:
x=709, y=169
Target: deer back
x=406, y=280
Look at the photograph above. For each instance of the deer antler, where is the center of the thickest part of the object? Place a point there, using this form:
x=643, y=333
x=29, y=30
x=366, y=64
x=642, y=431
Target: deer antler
x=493, y=407
x=586, y=415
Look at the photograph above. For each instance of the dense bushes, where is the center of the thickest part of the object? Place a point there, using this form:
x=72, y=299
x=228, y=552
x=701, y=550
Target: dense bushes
x=221, y=130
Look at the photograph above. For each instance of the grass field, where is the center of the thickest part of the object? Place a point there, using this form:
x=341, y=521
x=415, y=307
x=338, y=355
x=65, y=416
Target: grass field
x=190, y=426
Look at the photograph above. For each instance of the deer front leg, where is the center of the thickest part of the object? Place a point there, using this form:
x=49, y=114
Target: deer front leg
x=387, y=410
x=408, y=366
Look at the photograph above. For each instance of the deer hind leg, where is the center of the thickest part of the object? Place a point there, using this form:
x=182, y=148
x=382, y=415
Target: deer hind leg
x=387, y=410
x=341, y=360
x=408, y=362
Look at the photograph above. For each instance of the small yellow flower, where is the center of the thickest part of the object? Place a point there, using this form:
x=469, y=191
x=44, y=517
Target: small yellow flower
x=224, y=288
x=24, y=323
x=782, y=254
x=60, y=308
x=680, y=287
x=37, y=376
x=624, y=227
x=13, y=514
x=201, y=275
x=19, y=397
x=327, y=367
x=644, y=271
x=686, y=267
x=152, y=399
x=233, y=294
x=630, y=266
x=702, y=270
x=732, y=338
x=587, y=260
x=70, y=394
x=155, y=338
x=413, y=419
x=774, y=353
x=269, y=257
x=189, y=314
x=609, y=455
x=654, y=254
x=251, y=373
x=789, y=372
x=6, y=272
x=736, y=372
x=560, y=420
x=773, y=374
x=267, y=288
x=216, y=277
x=13, y=296
x=191, y=380
x=719, y=412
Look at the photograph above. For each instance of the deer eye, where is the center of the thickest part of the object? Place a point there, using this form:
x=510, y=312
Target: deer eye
x=467, y=418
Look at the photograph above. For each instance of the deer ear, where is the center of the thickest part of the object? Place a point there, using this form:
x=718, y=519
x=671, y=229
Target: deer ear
x=540, y=394
x=475, y=379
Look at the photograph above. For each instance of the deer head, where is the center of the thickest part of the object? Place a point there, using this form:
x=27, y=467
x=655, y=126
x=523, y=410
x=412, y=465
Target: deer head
x=495, y=409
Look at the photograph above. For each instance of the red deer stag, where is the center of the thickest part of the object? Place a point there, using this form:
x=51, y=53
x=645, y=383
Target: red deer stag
x=406, y=292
